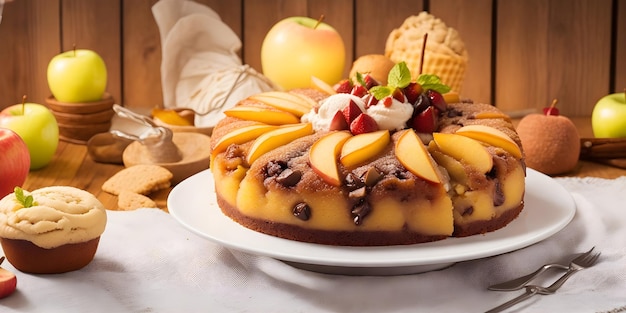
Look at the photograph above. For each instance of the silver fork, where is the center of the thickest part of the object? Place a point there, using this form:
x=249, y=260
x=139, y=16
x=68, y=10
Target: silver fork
x=578, y=264
x=520, y=282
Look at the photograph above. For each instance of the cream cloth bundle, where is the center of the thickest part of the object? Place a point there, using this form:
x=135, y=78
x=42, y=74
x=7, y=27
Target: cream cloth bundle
x=200, y=68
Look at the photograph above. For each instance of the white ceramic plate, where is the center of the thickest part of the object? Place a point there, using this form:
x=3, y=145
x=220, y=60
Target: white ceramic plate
x=548, y=209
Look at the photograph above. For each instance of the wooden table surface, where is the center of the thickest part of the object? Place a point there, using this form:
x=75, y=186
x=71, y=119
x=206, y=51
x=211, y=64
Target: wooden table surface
x=72, y=166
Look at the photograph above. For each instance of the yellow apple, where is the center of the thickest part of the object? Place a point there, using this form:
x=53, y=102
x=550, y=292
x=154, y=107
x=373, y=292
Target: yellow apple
x=297, y=48
x=276, y=138
x=412, y=154
x=78, y=75
x=241, y=135
x=464, y=149
x=360, y=148
x=259, y=114
x=492, y=136
x=608, y=118
x=323, y=156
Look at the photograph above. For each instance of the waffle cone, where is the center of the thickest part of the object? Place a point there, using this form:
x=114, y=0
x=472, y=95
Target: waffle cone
x=445, y=54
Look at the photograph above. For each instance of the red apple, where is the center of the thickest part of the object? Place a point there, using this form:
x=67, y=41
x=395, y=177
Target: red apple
x=14, y=161
x=8, y=281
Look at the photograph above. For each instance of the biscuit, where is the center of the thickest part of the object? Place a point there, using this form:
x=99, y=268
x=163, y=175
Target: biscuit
x=128, y=200
x=142, y=179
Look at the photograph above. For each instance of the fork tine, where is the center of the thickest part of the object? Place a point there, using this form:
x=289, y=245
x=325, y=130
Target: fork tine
x=588, y=260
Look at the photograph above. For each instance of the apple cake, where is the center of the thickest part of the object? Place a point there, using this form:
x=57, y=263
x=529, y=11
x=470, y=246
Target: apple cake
x=368, y=165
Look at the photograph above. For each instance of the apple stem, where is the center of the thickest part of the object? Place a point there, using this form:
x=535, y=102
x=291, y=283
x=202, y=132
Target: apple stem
x=319, y=21
x=23, y=104
x=74, y=49
x=1, y=260
x=553, y=104
x=423, y=52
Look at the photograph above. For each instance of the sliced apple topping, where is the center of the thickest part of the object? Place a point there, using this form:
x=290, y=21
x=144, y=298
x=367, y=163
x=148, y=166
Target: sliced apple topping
x=464, y=149
x=488, y=115
x=240, y=136
x=259, y=114
x=413, y=155
x=324, y=153
x=492, y=136
x=171, y=117
x=276, y=138
x=451, y=97
x=285, y=101
x=453, y=166
x=322, y=86
x=360, y=148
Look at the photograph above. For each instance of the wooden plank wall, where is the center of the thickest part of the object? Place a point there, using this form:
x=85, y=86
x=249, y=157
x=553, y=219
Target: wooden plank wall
x=522, y=53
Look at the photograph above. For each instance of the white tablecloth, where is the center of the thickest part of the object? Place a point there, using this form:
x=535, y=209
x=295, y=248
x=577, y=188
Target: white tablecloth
x=147, y=262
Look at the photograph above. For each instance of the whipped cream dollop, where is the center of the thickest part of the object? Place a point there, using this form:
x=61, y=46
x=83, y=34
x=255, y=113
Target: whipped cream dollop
x=393, y=117
x=59, y=215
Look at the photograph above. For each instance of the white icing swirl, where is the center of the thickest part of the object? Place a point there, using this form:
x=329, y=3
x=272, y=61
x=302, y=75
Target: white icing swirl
x=61, y=215
x=393, y=117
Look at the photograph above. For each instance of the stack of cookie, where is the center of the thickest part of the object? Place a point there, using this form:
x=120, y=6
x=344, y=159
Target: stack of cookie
x=133, y=185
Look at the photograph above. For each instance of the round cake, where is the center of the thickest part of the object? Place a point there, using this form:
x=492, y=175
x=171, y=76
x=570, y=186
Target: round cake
x=398, y=164
x=51, y=230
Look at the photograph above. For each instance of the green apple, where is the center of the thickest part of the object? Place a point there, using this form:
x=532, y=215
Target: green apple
x=77, y=76
x=36, y=125
x=608, y=119
x=297, y=48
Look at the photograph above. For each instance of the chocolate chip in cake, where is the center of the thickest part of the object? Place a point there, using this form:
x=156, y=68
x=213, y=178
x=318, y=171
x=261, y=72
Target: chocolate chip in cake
x=233, y=157
x=498, y=197
x=353, y=182
x=360, y=211
x=289, y=178
x=302, y=211
x=274, y=168
x=468, y=211
x=453, y=113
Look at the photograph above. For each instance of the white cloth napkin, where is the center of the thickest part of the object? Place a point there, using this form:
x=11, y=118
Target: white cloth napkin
x=200, y=68
x=147, y=262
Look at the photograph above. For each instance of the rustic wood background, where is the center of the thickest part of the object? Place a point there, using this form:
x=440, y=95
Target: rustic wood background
x=522, y=53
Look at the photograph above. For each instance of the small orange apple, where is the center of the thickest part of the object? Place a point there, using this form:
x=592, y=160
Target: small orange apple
x=550, y=141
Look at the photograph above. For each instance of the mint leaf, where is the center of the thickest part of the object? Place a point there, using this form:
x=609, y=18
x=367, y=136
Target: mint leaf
x=26, y=201
x=428, y=81
x=360, y=79
x=399, y=76
x=380, y=92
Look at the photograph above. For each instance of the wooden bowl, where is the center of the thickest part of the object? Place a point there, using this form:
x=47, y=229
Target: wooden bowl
x=84, y=119
x=83, y=107
x=195, y=155
x=80, y=134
